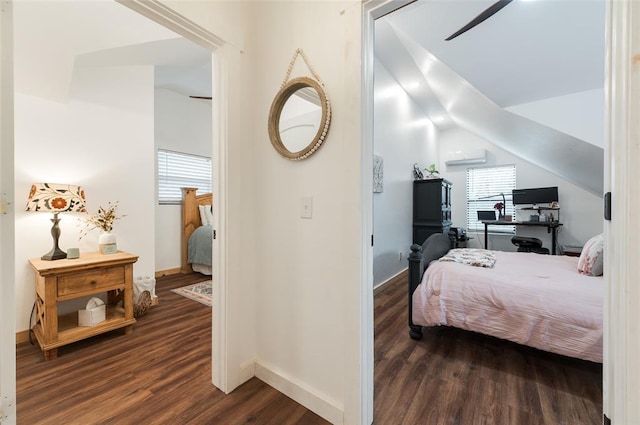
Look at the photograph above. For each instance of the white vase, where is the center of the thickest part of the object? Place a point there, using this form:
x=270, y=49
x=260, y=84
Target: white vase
x=107, y=243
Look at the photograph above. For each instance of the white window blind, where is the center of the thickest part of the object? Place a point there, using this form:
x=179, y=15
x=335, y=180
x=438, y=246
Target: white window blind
x=484, y=188
x=177, y=170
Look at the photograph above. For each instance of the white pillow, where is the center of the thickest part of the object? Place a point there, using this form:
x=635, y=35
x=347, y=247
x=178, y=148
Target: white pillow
x=206, y=214
x=591, y=258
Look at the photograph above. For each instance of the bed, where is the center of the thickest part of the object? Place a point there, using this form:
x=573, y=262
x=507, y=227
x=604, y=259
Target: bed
x=196, y=241
x=536, y=300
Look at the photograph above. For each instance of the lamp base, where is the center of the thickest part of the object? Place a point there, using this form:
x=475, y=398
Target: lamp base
x=54, y=254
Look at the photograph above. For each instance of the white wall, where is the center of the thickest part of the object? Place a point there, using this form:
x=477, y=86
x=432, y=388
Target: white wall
x=578, y=114
x=101, y=139
x=403, y=137
x=581, y=211
x=182, y=124
x=308, y=327
x=293, y=285
x=87, y=126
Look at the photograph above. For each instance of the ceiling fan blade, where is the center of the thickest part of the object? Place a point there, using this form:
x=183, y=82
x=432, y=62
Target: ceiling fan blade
x=486, y=14
x=201, y=97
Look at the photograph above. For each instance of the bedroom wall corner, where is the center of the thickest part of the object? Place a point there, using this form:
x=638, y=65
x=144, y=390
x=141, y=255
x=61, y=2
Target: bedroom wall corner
x=403, y=136
x=85, y=121
x=105, y=174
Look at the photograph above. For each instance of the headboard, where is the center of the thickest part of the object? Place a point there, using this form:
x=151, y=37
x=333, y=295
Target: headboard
x=434, y=247
x=191, y=219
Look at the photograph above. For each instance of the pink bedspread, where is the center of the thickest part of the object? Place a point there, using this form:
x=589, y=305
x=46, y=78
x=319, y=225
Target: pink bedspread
x=536, y=300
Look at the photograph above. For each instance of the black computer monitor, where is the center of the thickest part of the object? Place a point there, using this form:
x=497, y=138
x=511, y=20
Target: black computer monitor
x=539, y=195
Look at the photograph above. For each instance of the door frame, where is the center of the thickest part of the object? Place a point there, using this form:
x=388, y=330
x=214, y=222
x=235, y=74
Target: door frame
x=621, y=370
x=371, y=10
x=7, y=218
x=166, y=17
x=621, y=345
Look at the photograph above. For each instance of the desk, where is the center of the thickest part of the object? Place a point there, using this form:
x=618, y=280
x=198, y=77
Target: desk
x=552, y=227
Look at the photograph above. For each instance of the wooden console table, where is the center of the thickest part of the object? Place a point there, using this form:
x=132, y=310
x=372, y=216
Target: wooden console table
x=552, y=227
x=60, y=280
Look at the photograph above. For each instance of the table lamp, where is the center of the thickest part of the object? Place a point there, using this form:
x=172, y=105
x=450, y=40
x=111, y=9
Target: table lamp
x=55, y=198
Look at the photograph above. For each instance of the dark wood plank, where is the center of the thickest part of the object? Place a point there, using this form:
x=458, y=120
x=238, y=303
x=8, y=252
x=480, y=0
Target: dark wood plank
x=457, y=377
x=160, y=374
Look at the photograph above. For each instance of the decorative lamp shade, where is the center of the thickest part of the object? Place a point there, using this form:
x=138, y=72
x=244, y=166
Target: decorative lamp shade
x=52, y=197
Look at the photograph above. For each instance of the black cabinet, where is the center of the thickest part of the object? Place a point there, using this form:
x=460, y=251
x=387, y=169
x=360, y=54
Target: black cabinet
x=431, y=208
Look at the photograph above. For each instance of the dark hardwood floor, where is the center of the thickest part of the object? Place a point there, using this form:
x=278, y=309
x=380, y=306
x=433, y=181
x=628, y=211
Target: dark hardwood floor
x=161, y=374
x=457, y=377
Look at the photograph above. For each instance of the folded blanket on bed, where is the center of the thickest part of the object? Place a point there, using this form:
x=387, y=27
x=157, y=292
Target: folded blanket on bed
x=471, y=256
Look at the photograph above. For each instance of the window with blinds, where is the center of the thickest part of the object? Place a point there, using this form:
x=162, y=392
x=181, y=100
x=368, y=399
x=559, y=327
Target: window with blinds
x=177, y=170
x=485, y=187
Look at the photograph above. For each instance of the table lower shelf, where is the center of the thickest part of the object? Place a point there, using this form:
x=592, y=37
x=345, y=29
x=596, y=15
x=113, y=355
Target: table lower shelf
x=69, y=331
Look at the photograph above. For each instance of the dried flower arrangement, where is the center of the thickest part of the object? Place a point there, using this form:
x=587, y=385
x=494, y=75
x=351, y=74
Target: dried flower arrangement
x=103, y=219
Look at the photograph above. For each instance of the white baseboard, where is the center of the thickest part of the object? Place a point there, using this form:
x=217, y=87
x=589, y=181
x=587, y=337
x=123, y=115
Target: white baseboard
x=379, y=287
x=318, y=403
x=247, y=371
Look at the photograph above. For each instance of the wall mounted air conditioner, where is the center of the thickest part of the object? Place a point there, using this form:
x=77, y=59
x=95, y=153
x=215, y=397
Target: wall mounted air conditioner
x=466, y=157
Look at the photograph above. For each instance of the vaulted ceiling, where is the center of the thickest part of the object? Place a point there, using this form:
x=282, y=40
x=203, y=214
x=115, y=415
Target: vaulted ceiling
x=112, y=35
x=528, y=51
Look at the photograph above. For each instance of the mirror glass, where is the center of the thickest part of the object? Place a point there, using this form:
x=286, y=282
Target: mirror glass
x=299, y=118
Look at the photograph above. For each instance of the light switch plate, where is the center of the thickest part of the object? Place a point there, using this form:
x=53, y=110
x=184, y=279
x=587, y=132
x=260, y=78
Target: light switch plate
x=306, y=207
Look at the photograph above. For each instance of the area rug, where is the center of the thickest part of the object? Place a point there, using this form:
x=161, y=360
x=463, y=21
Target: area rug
x=200, y=292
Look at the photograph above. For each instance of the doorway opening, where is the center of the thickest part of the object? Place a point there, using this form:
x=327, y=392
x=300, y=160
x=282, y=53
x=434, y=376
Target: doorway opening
x=372, y=134
x=129, y=114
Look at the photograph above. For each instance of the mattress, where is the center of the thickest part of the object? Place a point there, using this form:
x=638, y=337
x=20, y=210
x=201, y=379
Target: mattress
x=536, y=300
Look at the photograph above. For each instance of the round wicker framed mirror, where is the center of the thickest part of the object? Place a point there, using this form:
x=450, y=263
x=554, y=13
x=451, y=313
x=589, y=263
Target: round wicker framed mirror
x=299, y=118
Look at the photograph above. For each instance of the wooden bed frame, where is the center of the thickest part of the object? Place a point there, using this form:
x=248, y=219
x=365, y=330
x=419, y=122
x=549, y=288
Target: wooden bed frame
x=191, y=220
x=433, y=248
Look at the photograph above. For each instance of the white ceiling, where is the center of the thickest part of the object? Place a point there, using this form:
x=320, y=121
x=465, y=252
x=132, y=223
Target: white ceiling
x=528, y=51
x=180, y=65
x=100, y=33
